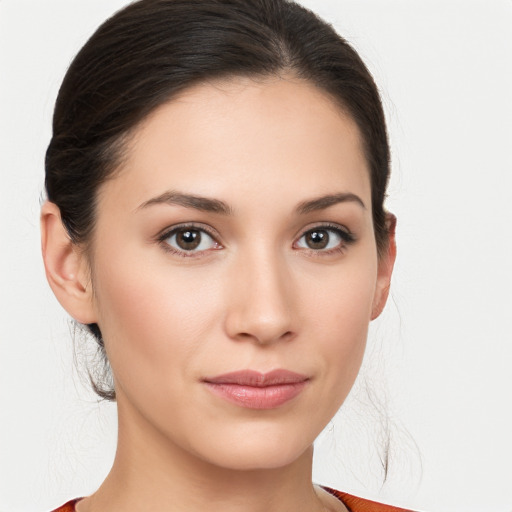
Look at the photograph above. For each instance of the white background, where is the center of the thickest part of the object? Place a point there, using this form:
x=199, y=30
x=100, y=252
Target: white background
x=444, y=346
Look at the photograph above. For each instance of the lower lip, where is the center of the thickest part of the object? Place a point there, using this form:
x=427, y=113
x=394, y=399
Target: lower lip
x=251, y=397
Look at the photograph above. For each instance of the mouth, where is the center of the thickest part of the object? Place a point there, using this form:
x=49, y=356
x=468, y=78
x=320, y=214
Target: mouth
x=255, y=390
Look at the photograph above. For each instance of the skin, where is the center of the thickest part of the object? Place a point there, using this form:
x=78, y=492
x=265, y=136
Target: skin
x=254, y=296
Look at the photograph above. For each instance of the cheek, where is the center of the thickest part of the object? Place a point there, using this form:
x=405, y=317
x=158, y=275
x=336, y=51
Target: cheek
x=339, y=314
x=153, y=320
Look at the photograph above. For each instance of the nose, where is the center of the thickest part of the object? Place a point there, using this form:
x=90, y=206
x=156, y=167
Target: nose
x=261, y=307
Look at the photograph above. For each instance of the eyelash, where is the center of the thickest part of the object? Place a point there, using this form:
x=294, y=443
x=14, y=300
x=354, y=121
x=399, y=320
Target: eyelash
x=347, y=238
x=165, y=235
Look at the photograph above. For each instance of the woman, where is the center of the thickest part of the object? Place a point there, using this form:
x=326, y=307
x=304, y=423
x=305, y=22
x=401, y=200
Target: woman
x=215, y=217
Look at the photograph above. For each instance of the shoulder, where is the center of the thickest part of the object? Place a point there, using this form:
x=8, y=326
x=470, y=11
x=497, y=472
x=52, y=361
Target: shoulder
x=67, y=507
x=355, y=504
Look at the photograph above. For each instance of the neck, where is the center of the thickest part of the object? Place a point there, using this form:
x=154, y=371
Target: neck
x=151, y=473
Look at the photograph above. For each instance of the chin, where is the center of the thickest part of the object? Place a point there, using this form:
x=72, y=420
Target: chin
x=244, y=460
x=256, y=452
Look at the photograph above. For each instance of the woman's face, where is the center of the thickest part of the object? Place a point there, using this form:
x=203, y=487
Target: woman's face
x=237, y=236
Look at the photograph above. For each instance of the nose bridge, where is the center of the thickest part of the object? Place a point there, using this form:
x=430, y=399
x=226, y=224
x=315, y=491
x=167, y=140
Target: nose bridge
x=261, y=303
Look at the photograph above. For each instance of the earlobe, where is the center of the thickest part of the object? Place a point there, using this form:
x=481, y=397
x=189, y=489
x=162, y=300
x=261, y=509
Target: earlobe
x=385, y=268
x=65, y=266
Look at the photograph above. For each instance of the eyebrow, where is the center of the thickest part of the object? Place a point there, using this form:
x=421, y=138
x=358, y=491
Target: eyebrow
x=323, y=202
x=207, y=204
x=204, y=204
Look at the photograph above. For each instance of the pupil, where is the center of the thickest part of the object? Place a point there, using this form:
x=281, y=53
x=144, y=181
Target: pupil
x=317, y=239
x=188, y=239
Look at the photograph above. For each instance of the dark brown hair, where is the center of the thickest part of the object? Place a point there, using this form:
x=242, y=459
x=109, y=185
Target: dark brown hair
x=153, y=49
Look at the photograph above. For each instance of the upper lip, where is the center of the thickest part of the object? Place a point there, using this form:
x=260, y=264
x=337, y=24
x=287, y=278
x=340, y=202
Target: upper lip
x=257, y=379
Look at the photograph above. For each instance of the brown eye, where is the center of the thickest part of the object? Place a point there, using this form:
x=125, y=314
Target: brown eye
x=323, y=239
x=317, y=239
x=188, y=239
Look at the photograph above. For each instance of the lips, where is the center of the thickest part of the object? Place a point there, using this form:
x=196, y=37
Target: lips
x=255, y=390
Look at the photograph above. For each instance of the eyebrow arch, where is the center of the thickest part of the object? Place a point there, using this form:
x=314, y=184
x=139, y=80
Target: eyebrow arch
x=204, y=204
x=207, y=204
x=321, y=203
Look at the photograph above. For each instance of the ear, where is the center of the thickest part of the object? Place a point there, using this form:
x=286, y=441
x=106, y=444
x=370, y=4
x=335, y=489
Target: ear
x=65, y=266
x=385, y=268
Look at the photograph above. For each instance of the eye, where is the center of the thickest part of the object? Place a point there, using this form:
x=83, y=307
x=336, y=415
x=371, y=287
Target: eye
x=325, y=239
x=188, y=239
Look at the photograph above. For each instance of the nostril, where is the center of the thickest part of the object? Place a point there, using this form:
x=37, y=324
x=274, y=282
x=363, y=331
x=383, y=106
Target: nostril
x=264, y=338
x=263, y=314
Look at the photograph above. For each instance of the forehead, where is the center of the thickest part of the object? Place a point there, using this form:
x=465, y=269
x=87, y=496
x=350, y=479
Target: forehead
x=242, y=138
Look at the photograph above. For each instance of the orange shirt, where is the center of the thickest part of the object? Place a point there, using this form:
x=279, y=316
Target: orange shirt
x=353, y=503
